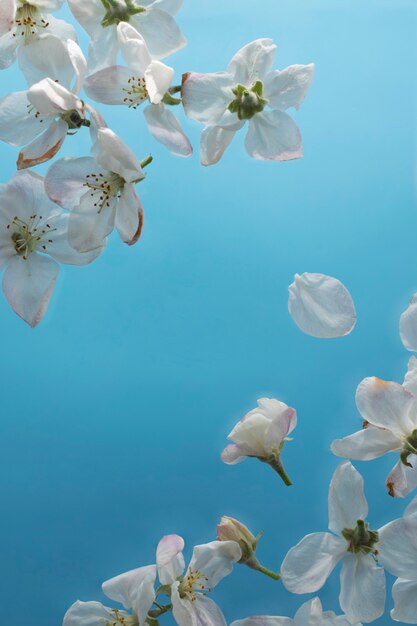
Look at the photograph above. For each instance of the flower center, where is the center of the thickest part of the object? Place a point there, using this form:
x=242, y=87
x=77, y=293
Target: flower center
x=119, y=11
x=29, y=236
x=136, y=92
x=248, y=101
x=74, y=119
x=104, y=188
x=28, y=21
x=122, y=619
x=361, y=539
x=410, y=447
x=194, y=582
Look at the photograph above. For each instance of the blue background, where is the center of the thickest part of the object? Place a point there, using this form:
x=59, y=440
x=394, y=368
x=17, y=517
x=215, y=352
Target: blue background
x=115, y=409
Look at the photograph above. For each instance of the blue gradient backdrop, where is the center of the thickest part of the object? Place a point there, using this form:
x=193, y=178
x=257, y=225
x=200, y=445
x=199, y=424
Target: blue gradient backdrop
x=115, y=409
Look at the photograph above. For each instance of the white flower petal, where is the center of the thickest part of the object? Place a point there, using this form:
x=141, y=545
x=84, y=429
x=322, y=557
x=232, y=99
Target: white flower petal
x=387, y=405
x=24, y=196
x=109, y=85
x=88, y=227
x=404, y=593
x=288, y=88
x=366, y=444
x=411, y=509
x=66, y=178
x=280, y=426
x=410, y=379
x=89, y=14
x=215, y=560
x=397, y=547
x=7, y=16
x=8, y=45
x=408, y=325
x=321, y=306
x=402, y=480
x=213, y=144
x=49, y=5
x=44, y=147
x=158, y=78
x=60, y=249
x=249, y=434
x=160, y=31
x=129, y=215
x=169, y=558
x=115, y=156
x=18, y=125
x=165, y=128
x=347, y=502
x=206, y=96
x=362, y=588
x=134, y=589
x=28, y=286
x=309, y=614
x=90, y=614
x=47, y=57
x=60, y=28
x=51, y=98
x=308, y=564
x=133, y=48
x=252, y=62
x=202, y=612
x=232, y=454
x=273, y=136
x=103, y=49
x=263, y=620
x=170, y=6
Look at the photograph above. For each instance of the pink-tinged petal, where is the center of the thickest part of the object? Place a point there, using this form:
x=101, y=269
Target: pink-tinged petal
x=213, y=144
x=387, y=405
x=65, y=181
x=232, y=455
x=91, y=614
x=309, y=614
x=263, y=620
x=8, y=45
x=362, y=588
x=206, y=96
x=169, y=558
x=408, y=325
x=397, y=547
x=28, y=286
x=158, y=78
x=202, y=612
x=403, y=480
x=59, y=247
x=129, y=216
x=44, y=147
x=109, y=85
x=252, y=62
x=134, y=589
x=18, y=123
x=278, y=429
x=321, y=306
x=410, y=379
x=273, y=136
x=115, y=156
x=366, y=444
x=165, y=128
x=50, y=57
x=133, y=48
x=215, y=560
x=289, y=87
x=51, y=98
x=308, y=564
x=347, y=502
x=7, y=15
x=404, y=593
x=89, y=226
x=160, y=31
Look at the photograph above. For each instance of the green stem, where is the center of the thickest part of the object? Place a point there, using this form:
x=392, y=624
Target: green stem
x=268, y=572
x=277, y=465
x=146, y=161
x=155, y=613
x=175, y=89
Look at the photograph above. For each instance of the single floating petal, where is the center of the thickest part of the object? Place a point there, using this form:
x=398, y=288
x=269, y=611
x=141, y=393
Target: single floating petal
x=321, y=306
x=408, y=325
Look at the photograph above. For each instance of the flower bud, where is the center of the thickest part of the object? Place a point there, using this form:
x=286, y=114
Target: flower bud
x=230, y=529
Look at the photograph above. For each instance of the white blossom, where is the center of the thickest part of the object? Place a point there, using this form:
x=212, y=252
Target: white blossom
x=248, y=91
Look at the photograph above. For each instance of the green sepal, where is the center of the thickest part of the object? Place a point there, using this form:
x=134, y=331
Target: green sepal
x=170, y=100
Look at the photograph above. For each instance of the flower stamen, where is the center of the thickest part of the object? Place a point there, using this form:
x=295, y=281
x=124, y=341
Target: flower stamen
x=136, y=92
x=30, y=236
x=105, y=189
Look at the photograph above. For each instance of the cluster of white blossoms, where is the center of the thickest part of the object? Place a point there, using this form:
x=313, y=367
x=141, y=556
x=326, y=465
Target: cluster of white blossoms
x=129, y=39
